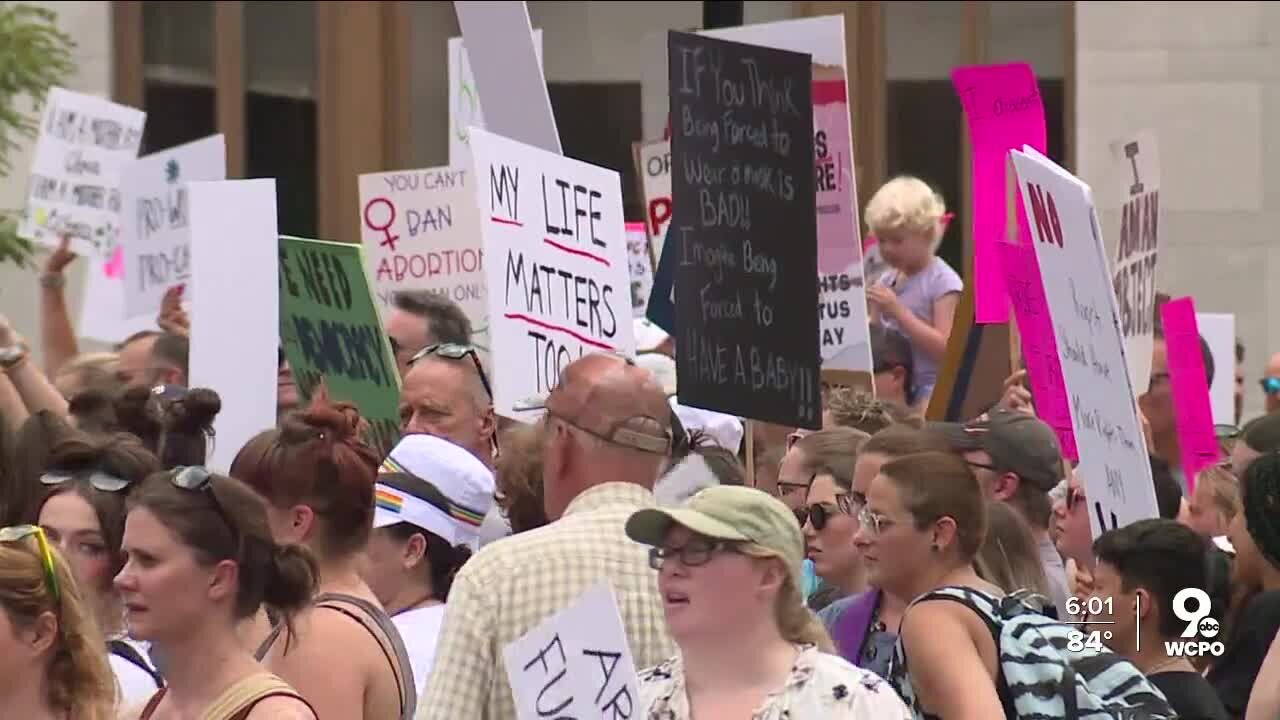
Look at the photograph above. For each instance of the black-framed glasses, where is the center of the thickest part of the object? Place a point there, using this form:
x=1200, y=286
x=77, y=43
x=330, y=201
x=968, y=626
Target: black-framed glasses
x=692, y=554
x=454, y=351
x=819, y=514
x=18, y=533
x=784, y=489
x=1270, y=385
x=98, y=480
x=196, y=478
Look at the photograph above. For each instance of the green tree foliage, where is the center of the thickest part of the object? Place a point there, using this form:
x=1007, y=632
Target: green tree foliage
x=34, y=56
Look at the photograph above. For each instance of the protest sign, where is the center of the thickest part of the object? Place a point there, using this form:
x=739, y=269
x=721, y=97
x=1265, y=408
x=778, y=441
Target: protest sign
x=1114, y=464
x=84, y=146
x=654, y=161
x=234, y=334
x=464, y=102
x=1219, y=331
x=157, y=231
x=1021, y=274
x=575, y=664
x=332, y=333
x=842, y=306
x=744, y=227
x=640, y=263
x=1004, y=111
x=558, y=278
x=1134, y=272
x=102, y=313
x=421, y=231
x=1193, y=415
x=972, y=372
x=506, y=69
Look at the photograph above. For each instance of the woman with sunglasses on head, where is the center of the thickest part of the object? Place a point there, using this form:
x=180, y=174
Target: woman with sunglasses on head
x=52, y=662
x=201, y=560
x=318, y=478
x=83, y=512
x=728, y=564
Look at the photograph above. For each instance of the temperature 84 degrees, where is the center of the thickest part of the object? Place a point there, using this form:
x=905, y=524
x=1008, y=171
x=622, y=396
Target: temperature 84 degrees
x=1096, y=640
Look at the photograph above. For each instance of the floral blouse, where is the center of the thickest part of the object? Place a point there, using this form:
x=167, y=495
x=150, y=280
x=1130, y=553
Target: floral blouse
x=820, y=686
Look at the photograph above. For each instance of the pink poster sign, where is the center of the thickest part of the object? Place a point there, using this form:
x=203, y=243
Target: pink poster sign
x=1192, y=409
x=1002, y=104
x=1020, y=272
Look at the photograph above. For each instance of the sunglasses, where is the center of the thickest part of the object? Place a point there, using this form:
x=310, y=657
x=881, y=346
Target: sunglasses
x=1226, y=432
x=693, y=554
x=97, y=480
x=821, y=513
x=1270, y=385
x=195, y=478
x=18, y=533
x=454, y=351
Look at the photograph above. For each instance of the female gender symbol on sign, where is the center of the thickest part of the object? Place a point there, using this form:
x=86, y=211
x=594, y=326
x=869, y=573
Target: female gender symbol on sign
x=390, y=240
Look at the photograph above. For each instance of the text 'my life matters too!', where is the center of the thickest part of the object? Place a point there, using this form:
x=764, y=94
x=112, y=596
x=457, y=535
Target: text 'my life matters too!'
x=555, y=249
x=745, y=227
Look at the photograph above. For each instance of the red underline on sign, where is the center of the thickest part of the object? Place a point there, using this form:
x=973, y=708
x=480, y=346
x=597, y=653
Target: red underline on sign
x=506, y=221
x=557, y=328
x=575, y=251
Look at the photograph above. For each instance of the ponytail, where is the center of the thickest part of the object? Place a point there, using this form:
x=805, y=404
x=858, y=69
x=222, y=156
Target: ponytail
x=796, y=622
x=444, y=561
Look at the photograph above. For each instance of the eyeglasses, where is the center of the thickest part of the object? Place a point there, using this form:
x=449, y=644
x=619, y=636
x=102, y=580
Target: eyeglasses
x=691, y=554
x=821, y=513
x=1270, y=385
x=198, y=479
x=789, y=488
x=873, y=522
x=1226, y=432
x=454, y=351
x=18, y=533
x=97, y=480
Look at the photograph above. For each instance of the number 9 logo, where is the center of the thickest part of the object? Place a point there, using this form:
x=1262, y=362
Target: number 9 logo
x=1197, y=619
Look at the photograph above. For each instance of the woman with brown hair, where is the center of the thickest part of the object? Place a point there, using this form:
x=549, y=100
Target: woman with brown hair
x=1008, y=558
x=728, y=566
x=83, y=512
x=201, y=561
x=318, y=477
x=518, y=473
x=52, y=662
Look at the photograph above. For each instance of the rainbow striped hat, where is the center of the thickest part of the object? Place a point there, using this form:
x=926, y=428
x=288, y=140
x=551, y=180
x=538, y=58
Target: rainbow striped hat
x=435, y=485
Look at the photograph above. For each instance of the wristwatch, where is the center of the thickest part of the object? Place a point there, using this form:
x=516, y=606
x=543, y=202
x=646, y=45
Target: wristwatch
x=11, y=355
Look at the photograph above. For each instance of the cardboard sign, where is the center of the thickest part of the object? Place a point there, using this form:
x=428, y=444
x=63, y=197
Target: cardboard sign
x=1039, y=348
x=745, y=230
x=1004, y=111
x=1114, y=464
x=558, y=278
x=84, y=146
x=640, y=264
x=1219, y=331
x=332, y=333
x=234, y=334
x=1134, y=271
x=157, y=231
x=1190, y=386
x=654, y=161
x=507, y=70
x=464, y=101
x=575, y=664
x=421, y=231
x=842, y=305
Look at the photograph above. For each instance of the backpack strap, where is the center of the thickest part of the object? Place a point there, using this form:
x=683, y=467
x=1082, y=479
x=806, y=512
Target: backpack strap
x=238, y=700
x=128, y=652
x=853, y=628
x=379, y=625
x=152, y=704
x=270, y=640
x=993, y=612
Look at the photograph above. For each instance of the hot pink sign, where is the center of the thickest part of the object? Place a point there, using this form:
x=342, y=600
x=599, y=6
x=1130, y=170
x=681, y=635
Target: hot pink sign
x=1192, y=409
x=1003, y=107
x=1020, y=272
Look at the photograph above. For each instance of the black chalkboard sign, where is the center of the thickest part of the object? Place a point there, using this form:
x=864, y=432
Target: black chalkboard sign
x=743, y=222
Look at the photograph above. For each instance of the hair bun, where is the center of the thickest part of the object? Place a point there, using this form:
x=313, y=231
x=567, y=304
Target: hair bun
x=336, y=422
x=293, y=579
x=195, y=411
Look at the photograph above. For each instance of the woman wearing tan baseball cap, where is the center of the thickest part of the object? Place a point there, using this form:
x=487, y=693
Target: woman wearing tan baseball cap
x=728, y=562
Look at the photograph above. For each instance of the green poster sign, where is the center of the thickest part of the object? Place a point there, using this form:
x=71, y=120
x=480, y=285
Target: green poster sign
x=331, y=331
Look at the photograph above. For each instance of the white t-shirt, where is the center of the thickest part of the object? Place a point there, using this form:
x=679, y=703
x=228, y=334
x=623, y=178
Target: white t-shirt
x=420, y=630
x=136, y=686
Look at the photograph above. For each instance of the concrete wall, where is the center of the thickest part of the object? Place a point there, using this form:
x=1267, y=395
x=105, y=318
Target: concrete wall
x=89, y=25
x=1206, y=77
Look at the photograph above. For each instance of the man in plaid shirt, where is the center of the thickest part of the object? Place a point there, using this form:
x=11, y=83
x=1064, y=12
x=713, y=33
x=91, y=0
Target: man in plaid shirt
x=609, y=434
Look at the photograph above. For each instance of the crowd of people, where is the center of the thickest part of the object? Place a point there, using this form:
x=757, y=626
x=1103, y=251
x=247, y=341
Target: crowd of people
x=882, y=567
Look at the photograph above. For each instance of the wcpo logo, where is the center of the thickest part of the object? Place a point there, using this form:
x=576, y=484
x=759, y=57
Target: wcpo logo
x=1198, y=624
